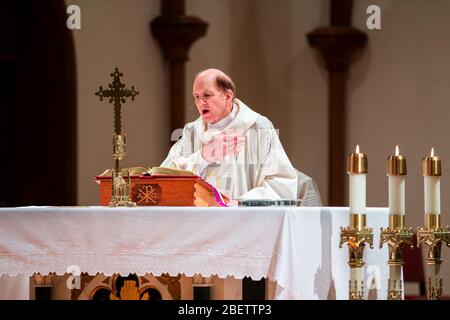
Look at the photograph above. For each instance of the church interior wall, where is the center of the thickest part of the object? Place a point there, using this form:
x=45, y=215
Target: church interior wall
x=113, y=34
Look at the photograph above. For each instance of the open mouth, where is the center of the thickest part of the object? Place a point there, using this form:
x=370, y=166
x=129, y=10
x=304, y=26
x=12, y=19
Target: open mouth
x=205, y=112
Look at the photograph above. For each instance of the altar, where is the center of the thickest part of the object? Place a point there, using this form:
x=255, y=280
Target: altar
x=297, y=248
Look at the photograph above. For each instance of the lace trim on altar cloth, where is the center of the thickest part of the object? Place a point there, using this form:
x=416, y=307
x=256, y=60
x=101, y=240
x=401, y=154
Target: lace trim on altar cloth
x=61, y=259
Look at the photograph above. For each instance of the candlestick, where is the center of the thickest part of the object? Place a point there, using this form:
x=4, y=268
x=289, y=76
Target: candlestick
x=357, y=234
x=433, y=235
x=396, y=235
x=357, y=170
x=432, y=187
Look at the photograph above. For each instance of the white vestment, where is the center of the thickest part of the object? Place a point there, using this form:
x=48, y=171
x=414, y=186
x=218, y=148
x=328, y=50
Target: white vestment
x=260, y=170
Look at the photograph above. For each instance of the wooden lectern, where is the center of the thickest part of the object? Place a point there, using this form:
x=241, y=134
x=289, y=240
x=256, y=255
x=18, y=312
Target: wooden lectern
x=166, y=190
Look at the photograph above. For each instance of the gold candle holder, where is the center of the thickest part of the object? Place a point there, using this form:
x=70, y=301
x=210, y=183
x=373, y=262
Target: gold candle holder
x=433, y=235
x=396, y=235
x=357, y=163
x=431, y=166
x=356, y=234
x=396, y=165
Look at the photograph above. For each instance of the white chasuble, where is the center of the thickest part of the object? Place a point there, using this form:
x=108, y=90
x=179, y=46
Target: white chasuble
x=260, y=170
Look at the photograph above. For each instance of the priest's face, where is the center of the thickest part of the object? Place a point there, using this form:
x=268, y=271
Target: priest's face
x=212, y=103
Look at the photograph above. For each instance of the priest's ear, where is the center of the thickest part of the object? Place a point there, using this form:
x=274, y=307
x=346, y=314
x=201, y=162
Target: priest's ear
x=229, y=94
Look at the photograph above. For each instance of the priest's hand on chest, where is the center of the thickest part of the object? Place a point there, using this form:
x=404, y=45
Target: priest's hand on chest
x=221, y=146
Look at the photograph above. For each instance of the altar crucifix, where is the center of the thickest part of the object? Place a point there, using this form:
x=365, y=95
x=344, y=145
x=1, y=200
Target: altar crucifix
x=117, y=94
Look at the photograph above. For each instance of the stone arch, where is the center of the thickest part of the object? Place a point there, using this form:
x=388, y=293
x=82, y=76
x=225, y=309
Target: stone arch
x=100, y=281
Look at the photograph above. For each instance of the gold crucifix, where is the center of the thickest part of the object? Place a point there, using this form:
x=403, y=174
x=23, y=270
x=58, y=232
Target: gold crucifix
x=117, y=94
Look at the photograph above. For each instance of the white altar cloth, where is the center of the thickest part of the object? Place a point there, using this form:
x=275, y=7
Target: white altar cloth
x=295, y=246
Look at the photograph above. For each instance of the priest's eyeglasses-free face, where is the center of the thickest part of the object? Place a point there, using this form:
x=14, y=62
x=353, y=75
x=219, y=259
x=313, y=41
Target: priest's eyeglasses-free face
x=205, y=98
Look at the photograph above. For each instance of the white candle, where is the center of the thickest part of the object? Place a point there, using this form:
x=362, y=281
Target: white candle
x=396, y=181
x=396, y=195
x=357, y=169
x=432, y=184
x=432, y=195
x=357, y=193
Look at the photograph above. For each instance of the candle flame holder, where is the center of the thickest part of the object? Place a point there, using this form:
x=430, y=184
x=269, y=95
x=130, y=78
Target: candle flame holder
x=396, y=236
x=433, y=235
x=356, y=235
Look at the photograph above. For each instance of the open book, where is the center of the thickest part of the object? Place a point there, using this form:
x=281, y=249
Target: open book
x=139, y=171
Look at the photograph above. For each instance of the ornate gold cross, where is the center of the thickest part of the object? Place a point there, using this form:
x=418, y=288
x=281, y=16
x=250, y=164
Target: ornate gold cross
x=117, y=94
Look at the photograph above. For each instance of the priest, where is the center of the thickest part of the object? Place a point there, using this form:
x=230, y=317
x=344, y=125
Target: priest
x=234, y=148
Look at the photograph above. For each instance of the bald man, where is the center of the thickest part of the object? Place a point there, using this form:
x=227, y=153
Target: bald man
x=231, y=146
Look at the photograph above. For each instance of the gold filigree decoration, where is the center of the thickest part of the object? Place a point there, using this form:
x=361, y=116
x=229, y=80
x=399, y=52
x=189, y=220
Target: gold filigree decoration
x=356, y=240
x=129, y=291
x=433, y=238
x=434, y=291
x=395, y=295
x=396, y=238
x=147, y=194
x=354, y=293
